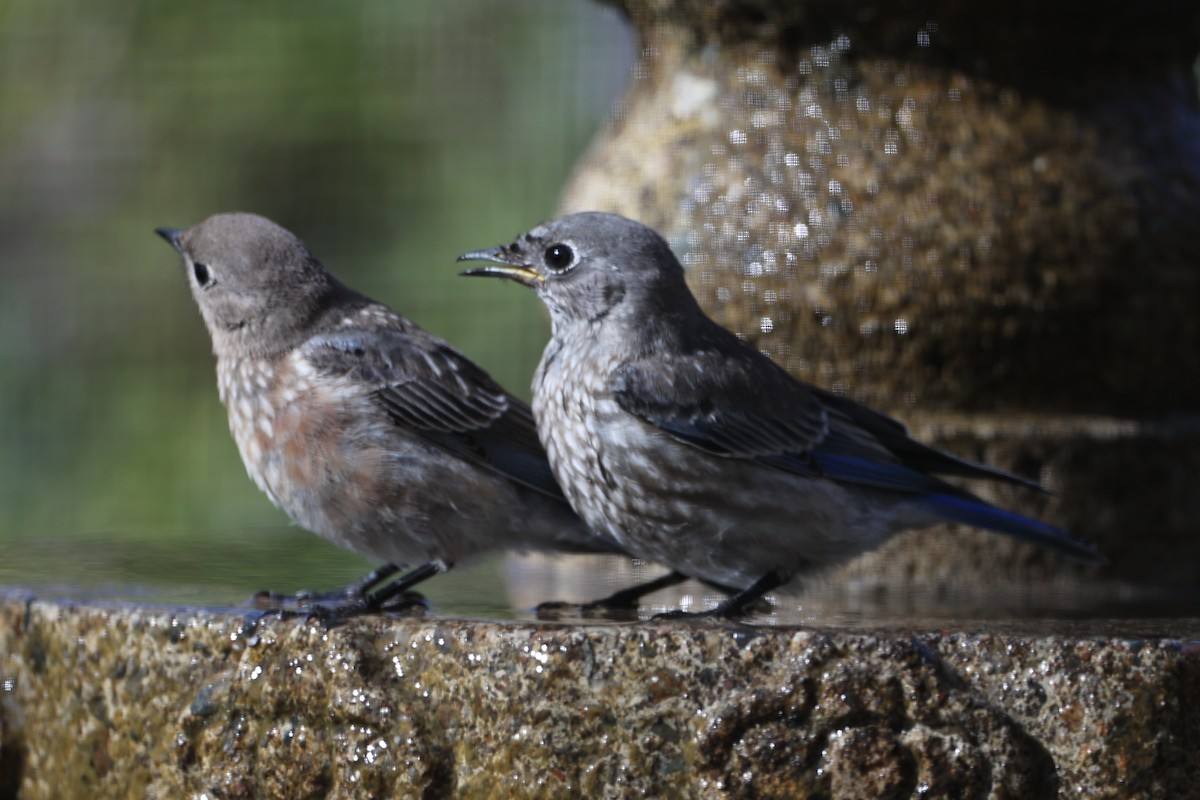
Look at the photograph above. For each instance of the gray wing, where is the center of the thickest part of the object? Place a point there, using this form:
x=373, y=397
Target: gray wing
x=427, y=387
x=873, y=429
x=734, y=401
x=726, y=406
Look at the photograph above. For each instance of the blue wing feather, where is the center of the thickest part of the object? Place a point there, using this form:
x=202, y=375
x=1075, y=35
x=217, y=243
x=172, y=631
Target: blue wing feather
x=884, y=475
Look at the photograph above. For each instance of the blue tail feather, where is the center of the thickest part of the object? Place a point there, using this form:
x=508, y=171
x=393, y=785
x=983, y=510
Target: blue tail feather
x=978, y=514
x=947, y=501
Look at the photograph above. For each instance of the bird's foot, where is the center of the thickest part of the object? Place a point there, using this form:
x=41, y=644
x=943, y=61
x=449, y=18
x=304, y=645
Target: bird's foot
x=751, y=599
x=406, y=603
x=409, y=602
x=347, y=595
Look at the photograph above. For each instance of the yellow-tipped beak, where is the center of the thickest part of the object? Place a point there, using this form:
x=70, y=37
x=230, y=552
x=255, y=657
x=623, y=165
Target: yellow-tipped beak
x=504, y=265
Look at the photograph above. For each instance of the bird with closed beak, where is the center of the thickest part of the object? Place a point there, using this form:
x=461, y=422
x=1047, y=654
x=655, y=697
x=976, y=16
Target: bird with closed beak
x=693, y=449
x=361, y=426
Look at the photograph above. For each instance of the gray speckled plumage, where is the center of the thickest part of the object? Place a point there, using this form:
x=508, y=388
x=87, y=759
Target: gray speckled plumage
x=362, y=427
x=691, y=448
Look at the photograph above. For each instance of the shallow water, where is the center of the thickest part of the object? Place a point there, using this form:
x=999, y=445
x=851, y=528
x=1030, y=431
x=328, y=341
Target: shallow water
x=228, y=570
x=222, y=570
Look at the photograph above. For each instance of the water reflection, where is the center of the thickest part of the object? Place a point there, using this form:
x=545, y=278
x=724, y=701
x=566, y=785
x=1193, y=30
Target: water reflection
x=225, y=570
x=1058, y=606
x=222, y=569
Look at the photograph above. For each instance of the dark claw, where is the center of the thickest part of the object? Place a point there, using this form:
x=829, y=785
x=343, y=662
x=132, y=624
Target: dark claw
x=406, y=601
x=353, y=592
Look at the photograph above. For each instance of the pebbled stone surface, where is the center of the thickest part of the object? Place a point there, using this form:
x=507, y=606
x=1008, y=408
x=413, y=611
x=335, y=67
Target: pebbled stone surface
x=147, y=702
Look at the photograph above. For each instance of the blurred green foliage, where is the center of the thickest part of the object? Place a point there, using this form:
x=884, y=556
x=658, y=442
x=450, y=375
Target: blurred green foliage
x=389, y=135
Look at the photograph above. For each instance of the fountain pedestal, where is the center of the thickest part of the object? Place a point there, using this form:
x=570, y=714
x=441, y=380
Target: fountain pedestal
x=984, y=212
x=139, y=702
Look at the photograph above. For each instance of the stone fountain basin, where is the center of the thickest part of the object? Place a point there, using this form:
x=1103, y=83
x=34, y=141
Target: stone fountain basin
x=112, y=700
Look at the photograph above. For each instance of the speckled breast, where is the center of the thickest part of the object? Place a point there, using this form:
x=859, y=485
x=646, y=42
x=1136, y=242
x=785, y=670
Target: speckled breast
x=285, y=423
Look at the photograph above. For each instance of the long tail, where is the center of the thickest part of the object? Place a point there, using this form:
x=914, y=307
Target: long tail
x=951, y=503
x=976, y=513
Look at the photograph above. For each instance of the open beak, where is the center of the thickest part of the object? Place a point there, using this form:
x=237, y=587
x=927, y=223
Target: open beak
x=505, y=264
x=174, y=237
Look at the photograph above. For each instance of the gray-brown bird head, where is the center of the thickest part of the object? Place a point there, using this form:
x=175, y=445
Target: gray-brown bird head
x=257, y=285
x=589, y=266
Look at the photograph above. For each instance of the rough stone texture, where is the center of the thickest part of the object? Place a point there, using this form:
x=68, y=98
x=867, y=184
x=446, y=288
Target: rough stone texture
x=953, y=207
x=138, y=702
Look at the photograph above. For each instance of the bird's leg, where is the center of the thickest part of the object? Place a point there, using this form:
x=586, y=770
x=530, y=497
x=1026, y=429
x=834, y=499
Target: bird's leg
x=356, y=590
x=631, y=597
x=397, y=594
x=625, y=600
x=352, y=592
x=392, y=596
x=737, y=603
x=356, y=599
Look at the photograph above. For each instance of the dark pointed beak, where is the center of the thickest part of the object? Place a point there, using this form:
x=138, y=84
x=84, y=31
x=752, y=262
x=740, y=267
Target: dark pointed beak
x=505, y=264
x=174, y=237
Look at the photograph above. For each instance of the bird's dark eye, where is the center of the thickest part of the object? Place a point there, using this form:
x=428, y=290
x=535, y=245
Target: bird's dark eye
x=203, y=276
x=559, y=256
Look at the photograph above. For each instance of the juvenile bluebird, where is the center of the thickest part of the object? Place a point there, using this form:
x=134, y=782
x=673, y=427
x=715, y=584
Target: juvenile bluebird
x=362, y=427
x=691, y=448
